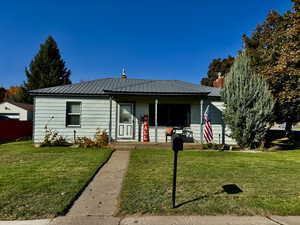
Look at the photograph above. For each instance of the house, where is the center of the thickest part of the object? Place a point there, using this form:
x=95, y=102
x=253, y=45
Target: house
x=119, y=105
x=16, y=111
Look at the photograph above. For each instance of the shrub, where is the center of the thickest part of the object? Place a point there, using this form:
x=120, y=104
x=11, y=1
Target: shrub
x=215, y=146
x=248, y=104
x=85, y=142
x=100, y=140
x=52, y=138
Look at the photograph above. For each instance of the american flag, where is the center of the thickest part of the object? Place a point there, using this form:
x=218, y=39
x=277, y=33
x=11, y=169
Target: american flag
x=208, y=134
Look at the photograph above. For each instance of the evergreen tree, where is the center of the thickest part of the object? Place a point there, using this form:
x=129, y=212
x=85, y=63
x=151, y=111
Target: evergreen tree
x=217, y=66
x=248, y=103
x=47, y=69
x=274, y=48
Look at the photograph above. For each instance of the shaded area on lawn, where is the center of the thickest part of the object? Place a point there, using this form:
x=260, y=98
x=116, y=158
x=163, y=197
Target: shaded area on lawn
x=270, y=183
x=227, y=188
x=42, y=182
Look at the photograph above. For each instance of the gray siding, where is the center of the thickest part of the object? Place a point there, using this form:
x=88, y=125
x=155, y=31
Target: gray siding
x=220, y=130
x=94, y=114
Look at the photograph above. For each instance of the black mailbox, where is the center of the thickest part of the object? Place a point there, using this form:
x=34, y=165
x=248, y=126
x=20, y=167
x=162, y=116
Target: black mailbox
x=177, y=142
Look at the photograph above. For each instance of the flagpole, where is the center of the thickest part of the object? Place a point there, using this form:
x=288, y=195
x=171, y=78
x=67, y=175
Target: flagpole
x=208, y=132
x=201, y=121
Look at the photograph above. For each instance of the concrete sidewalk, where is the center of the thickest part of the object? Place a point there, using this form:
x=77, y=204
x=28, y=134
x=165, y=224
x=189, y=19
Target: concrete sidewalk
x=210, y=220
x=163, y=220
x=26, y=222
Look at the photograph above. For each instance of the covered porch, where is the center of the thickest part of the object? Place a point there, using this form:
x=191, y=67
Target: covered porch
x=127, y=113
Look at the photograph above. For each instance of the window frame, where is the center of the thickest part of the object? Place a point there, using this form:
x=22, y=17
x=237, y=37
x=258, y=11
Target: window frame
x=73, y=114
x=169, y=106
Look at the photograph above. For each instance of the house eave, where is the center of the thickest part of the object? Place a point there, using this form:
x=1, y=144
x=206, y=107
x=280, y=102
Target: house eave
x=67, y=94
x=155, y=93
x=112, y=93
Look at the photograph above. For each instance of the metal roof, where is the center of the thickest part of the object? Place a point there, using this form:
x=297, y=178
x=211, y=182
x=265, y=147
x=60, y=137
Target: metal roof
x=109, y=86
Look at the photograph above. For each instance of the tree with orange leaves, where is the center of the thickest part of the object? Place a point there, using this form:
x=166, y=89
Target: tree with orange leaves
x=275, y=51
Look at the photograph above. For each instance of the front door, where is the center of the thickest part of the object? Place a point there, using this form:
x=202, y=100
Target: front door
x=125, y=127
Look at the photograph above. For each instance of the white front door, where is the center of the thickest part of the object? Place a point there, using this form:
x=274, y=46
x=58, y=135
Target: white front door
x=125, y=114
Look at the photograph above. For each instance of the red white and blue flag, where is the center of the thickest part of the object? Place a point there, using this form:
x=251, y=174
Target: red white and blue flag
x=208, y=133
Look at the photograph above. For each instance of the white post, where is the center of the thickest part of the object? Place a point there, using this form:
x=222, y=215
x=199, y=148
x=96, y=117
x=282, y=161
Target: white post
x=156, y=102
x=110, y=120
x=201, y=121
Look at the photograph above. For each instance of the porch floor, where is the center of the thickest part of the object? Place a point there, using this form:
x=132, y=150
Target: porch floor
x=152, y=146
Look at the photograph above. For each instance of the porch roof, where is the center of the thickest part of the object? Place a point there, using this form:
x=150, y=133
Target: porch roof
x=109, y=86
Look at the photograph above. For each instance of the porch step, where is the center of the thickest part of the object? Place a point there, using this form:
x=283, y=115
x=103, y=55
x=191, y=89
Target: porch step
x=153, y=146
x=123, y=147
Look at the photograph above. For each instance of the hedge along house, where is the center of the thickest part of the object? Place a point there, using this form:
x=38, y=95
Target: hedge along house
x=119, y=104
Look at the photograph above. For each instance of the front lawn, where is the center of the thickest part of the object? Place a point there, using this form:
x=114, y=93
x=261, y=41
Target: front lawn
x=42, y=182
x=270, y=183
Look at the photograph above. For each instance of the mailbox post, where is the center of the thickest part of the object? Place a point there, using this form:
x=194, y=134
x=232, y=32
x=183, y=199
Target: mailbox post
x=177, y=145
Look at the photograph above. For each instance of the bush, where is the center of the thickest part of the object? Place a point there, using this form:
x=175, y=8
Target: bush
x=248, y=104
x=85, y=142
x=101, y=138
x=52, y=138
x=100, y=141
x=214, y=146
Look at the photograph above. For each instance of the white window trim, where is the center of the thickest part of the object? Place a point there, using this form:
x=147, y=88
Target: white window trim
x=73, y=114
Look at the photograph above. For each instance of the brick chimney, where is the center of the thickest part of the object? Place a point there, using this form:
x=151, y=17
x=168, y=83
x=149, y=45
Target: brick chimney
x=219, y=83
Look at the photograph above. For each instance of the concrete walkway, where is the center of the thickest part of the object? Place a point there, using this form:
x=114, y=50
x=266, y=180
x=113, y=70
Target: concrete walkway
x=99, y=201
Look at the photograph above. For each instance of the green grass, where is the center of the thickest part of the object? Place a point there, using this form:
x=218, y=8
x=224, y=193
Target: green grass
x=42, y=182
x=270, y=183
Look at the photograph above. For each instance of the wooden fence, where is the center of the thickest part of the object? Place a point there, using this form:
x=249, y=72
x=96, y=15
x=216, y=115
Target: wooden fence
x=11, y=130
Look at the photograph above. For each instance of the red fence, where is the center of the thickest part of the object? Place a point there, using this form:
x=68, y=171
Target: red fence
x=14, y=129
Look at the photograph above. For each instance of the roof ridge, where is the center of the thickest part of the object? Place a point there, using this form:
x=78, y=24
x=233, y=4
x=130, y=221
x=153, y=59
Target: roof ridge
x=131, y=85
x=182, y=86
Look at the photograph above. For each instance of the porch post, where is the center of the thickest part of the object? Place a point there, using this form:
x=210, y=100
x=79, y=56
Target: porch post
x=156, y=102
x=201, y=121
x=110, y=119
x=116, y=122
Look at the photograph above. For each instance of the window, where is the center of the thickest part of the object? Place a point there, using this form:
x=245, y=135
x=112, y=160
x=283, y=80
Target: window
x=177, y=115
x=73, y=114
x=125, y=113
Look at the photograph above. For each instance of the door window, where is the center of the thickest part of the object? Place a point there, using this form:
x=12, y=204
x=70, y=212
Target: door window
x=125, y=113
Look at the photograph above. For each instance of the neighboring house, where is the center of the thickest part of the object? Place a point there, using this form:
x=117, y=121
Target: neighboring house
x=16, y=111
x=119, y=104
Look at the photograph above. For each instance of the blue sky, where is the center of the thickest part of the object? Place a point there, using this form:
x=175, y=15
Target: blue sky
x=154, y=39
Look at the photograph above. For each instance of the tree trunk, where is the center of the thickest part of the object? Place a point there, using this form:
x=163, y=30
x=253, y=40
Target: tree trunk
x=288, y=128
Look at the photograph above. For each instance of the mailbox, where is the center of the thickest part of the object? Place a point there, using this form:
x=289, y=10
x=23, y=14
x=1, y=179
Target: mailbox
x=177, y=142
